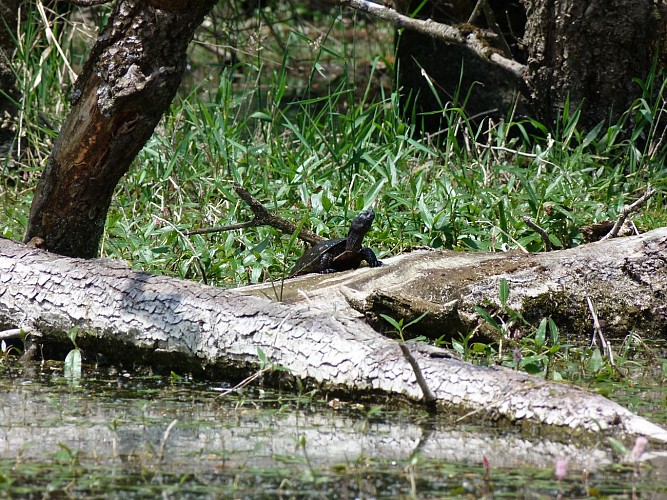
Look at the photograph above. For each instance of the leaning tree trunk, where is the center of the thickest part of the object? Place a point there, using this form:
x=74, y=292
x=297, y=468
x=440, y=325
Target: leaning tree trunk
x=128, y=82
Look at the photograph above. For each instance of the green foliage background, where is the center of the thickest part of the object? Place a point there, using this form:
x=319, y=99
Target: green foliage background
x=299, y=108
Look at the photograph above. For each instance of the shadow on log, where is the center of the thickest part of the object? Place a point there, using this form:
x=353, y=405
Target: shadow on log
x=326, y=343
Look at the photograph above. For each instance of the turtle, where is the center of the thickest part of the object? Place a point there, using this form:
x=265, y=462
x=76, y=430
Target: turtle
x=339, y=254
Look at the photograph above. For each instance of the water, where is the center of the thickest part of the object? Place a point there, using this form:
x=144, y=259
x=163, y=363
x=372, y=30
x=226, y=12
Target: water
x=131, y=435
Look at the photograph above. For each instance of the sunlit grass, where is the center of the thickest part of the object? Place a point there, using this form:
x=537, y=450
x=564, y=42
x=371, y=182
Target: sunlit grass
x=325, y=155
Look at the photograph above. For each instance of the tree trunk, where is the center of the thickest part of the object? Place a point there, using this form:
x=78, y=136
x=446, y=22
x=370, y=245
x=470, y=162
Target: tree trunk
x=126, y=85
x=135, y=317
x=624, y=280
x=590, y=52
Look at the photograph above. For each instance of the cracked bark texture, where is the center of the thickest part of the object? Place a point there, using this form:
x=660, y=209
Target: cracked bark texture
x=589, y=52
x=166, y=321
x=128, y=81
x=625, y=279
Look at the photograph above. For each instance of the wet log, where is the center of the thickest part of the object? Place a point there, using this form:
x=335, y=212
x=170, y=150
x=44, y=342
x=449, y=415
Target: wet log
x=132, y=315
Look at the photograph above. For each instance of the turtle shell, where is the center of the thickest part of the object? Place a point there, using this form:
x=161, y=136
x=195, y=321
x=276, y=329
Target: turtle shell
x=310, y=261
x=339, y=254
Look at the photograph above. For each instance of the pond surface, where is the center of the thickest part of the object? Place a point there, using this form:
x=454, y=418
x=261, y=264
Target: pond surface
x=122, y=435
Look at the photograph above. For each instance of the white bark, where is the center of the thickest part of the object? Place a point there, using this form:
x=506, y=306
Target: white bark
x=121, y=311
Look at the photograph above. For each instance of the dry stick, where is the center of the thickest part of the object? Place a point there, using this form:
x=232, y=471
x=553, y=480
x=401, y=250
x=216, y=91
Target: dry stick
x=507, y=235
x=476, y=11
x=491, y=22
x=541, y=232
x=429, y=398
x=262, y=218
x=165, y=437
x=439, y=31
x=597, y=332
x=627, y=210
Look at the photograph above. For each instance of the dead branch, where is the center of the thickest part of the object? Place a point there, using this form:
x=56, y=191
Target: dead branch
x=262, y=218
x=543, y=234
x=627, y=210
x=440, y=31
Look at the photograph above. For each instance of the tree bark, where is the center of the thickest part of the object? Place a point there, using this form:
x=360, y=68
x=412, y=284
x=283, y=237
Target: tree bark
x=625, y=279
x=127, y=83
x=587, y=52
x=131, y=316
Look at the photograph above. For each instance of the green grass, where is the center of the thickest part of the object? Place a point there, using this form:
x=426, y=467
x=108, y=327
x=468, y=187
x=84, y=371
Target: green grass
x=324, y=155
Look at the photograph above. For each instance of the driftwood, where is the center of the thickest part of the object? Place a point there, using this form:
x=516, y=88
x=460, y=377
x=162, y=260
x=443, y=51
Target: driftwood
x=176, y=323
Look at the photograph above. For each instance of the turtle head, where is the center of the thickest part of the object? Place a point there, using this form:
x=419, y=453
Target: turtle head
x=360, y=226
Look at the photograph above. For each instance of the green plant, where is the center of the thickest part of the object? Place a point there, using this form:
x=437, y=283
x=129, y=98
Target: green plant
x=311, y=132
x=400, y=327
x=72, y=365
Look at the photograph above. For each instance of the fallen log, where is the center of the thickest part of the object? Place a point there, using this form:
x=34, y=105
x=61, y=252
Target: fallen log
x=124, y=313
x=625, y=279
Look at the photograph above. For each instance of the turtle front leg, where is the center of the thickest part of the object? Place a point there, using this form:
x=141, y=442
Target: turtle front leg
x=369, y=256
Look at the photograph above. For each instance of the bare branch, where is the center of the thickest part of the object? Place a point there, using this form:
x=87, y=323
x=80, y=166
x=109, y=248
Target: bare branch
x=87, y=3
x=627, y=210
x=543, y=234
x=429, y=398
x=262, y=218
x=439, y=31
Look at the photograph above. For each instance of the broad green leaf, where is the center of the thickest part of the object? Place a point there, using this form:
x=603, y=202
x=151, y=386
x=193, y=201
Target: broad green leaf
x=504, y=291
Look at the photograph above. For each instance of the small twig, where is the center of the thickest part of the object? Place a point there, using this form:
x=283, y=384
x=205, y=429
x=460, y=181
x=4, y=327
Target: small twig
x=540, y=231
x=509, y=236
x=483, y=5
x=165, y=437
x=491, y=21
x=246, y=381
x=476, y=11
x=597, y=333
x=429, y=398
x=626, y=211
x=220, y=229
x=262, y=218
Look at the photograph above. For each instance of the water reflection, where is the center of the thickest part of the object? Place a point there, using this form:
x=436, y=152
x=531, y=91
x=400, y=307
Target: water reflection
x=123, y=431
